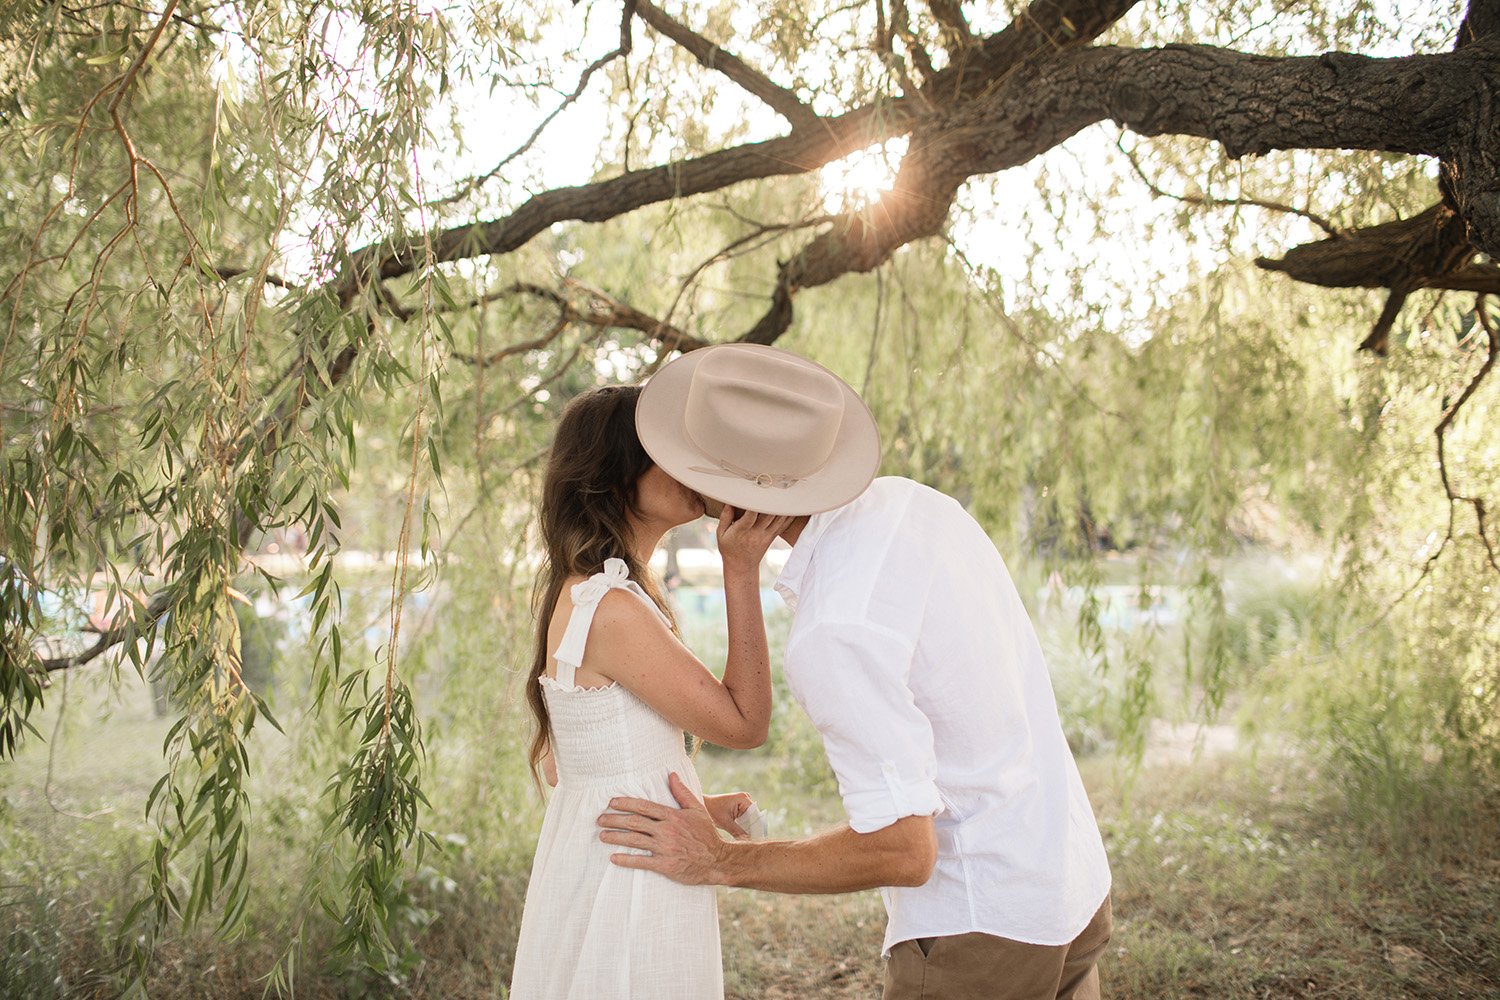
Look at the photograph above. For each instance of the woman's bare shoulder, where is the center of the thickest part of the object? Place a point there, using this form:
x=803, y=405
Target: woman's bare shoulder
x=621, y=610
x=618, y=609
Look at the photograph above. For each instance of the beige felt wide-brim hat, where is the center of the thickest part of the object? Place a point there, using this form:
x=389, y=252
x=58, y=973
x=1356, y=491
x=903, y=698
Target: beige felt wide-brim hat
x=759, y=428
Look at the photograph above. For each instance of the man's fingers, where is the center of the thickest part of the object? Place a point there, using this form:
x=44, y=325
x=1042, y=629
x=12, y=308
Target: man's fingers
x=626, y=821
x=649, y=862
x=644, y=807
x=622, y=838
x=683, y=794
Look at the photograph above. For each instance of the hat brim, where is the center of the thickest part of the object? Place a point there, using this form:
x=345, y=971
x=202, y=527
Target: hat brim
x=660, y=424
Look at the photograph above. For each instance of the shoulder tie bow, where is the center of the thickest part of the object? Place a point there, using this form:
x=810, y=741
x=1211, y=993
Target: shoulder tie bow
x=614, y=574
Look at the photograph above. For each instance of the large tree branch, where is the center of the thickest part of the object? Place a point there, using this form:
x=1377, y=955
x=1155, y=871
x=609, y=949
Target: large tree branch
x=1018, y=95
x=716, y=57
x=1425, y=251
x=801, y=152
x=939, y=160
x=1474, y=277
x=953, y=27
x=1481, y=23
x=1249, y=104
x=1429, y=250
x=1045, y=27
x=1470, y=176
x=1025, y=90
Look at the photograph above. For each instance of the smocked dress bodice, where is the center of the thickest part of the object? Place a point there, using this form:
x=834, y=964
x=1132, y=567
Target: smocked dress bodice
x=603, y=733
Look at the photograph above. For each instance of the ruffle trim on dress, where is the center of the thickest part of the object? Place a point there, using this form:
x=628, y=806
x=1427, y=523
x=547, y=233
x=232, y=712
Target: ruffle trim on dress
x=558, y=685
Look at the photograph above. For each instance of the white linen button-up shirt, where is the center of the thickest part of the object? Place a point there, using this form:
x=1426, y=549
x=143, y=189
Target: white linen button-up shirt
x=913, y=655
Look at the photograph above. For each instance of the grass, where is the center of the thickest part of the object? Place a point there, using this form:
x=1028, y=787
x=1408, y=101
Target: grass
x=1250, y=878
x=1235, y=876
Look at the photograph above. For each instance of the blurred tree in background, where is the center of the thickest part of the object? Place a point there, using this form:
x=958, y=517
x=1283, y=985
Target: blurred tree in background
x=1174, y=280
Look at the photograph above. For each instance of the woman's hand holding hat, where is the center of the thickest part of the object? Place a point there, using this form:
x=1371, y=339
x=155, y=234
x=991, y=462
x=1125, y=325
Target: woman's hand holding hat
x=744, y=536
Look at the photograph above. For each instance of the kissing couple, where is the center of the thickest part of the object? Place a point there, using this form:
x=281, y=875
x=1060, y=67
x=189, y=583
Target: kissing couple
x=909, y=649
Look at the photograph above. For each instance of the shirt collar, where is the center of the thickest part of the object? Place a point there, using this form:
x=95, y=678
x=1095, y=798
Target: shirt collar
x=789, y=580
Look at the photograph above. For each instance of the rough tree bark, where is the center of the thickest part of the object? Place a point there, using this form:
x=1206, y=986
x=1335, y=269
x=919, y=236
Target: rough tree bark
x=1429, y=250
x=1436, y=248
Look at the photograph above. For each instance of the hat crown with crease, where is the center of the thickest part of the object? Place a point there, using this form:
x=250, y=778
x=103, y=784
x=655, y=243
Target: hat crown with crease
x=764, y=413
x=759, y=428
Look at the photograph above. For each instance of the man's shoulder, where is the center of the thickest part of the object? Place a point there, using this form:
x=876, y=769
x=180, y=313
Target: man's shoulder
x=885, y=487
x=887, y=501
x=893, y=485
x=871, y=560
x=884, y=495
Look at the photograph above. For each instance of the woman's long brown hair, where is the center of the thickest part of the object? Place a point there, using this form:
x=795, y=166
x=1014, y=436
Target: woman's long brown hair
x=587, y=490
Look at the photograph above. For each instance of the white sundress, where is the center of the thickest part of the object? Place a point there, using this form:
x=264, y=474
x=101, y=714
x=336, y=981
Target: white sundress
x=592, y=930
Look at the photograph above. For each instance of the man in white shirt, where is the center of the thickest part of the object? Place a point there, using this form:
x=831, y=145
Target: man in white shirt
x=913, y=655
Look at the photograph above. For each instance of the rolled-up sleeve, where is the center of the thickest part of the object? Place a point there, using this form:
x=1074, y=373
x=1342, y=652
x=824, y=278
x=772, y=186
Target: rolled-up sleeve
x=851, y=679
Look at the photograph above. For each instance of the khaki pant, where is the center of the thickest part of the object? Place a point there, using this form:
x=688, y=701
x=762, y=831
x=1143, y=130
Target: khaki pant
x=975, y=966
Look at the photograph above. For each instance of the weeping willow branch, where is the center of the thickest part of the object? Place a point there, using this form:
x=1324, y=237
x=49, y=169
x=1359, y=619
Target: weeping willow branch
x=715, y=57
x=587, y=306
x=260, y=444
x=619, y=52
x=1208, y=201
x=269, y=278
x=1441, y=433
x=116, y=89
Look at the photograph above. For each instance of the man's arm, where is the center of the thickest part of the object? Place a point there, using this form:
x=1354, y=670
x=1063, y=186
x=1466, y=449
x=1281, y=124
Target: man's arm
x=837, y=861
x=686, y=848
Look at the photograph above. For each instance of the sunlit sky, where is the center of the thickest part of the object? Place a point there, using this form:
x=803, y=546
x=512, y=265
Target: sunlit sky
x=1001, y=217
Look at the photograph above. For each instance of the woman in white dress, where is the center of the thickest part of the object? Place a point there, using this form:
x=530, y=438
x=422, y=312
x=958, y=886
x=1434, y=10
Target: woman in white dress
x=613, y=690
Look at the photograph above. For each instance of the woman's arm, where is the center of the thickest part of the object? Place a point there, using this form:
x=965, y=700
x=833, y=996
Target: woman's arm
x=631, y=646
x=726, y=810
x=548, y=764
